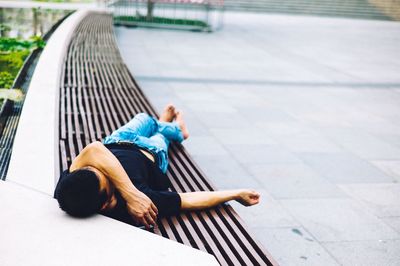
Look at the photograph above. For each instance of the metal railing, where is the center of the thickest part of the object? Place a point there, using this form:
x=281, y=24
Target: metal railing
x=199, y=15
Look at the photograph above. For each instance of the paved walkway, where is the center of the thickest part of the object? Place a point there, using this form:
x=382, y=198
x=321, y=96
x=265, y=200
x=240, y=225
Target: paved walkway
x=306, y=110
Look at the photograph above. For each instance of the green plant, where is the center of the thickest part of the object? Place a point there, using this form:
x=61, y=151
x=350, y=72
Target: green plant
x=12, y=61
x=162, y=20
x=4, y=27
x=13, y=53
x=13, y=44
x=6, y=79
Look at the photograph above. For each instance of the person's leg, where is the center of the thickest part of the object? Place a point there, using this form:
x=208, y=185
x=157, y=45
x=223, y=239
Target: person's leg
x=182, y=125
x=152, y=135
x=160, y=144
x=167, y=131
x=168, y=114
x=171, y=131
x=142, y=125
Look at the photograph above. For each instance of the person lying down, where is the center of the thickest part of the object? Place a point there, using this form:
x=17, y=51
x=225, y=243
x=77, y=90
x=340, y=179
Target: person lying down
x=124, y=177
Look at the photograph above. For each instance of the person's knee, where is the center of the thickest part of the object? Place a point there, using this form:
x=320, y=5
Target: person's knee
x=147, y=120
x=78, y=193
x=142, y=116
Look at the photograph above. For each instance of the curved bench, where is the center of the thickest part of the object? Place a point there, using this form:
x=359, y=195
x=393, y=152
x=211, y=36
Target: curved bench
x=31, y=219
x=97, y=95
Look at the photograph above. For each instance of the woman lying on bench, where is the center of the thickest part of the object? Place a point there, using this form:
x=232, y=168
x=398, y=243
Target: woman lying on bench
x=124, y=177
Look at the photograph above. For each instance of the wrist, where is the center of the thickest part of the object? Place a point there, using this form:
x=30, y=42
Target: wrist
x=237, y=194
x=129, y=194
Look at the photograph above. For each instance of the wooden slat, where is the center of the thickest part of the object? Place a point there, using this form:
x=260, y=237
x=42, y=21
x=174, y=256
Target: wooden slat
x=195, y=236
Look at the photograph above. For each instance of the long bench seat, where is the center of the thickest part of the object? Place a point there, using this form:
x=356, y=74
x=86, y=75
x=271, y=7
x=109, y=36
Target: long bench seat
x=97, y=95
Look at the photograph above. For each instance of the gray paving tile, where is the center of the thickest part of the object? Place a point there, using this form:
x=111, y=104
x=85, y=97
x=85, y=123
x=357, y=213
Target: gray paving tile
x=223, y=120
x=341, y=168
x=391, y=168
x=225, y=172
x=160, y=102
x=324, y=119
x=198, y=95
x=237, y=94
x=155, y=90
x=170, y=72
x=293, y=181
x=338, y=220
x=241, y=136
x=265, y=114
x=389, y=137
x=196, y=128
x=268, y=213
x=383, y=129
x=393, y=222
x=368, y=253
x=286, y=129
x=241, y=103
x=308, y=143
x=382, y=199
x=293, y=246
x=204, y=145
x=363, y=144
x=211, y=107
x=261, y=154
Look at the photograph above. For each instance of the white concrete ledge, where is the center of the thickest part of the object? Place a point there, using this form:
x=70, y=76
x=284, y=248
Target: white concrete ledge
x=34, y=161
x=34, y=231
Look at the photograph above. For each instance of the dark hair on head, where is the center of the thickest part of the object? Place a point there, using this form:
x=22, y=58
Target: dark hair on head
x=78, y=193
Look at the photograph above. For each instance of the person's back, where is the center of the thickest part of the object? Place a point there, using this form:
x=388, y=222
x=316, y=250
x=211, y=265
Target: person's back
x=145, y=176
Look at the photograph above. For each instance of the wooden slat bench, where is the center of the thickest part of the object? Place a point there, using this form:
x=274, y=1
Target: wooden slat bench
x=97, y=95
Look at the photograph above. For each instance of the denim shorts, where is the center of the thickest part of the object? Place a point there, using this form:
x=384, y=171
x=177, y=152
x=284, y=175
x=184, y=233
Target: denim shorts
x=150, y=134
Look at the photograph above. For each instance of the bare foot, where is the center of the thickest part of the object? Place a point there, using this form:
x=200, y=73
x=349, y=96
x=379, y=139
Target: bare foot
x=182, y=125
x=169, y=113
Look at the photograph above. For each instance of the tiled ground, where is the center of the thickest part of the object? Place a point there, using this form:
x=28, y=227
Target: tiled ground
x=306, y=110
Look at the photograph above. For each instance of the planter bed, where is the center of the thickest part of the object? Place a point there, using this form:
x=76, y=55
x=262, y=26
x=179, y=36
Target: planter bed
x=6, y=106
x=10, y=111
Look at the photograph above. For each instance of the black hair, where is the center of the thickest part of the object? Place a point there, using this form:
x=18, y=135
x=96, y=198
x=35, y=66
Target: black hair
x=78, y=193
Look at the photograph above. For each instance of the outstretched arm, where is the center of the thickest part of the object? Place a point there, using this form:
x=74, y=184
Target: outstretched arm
x=139, y=206
x=206, y=199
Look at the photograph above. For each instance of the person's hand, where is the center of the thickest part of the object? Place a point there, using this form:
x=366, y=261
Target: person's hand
x=248, y=197
x=142, y=209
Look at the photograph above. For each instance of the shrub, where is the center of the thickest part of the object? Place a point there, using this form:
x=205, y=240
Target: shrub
x=12, y=61
x=6, y=79
x=13, y=44
x=12, y=56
